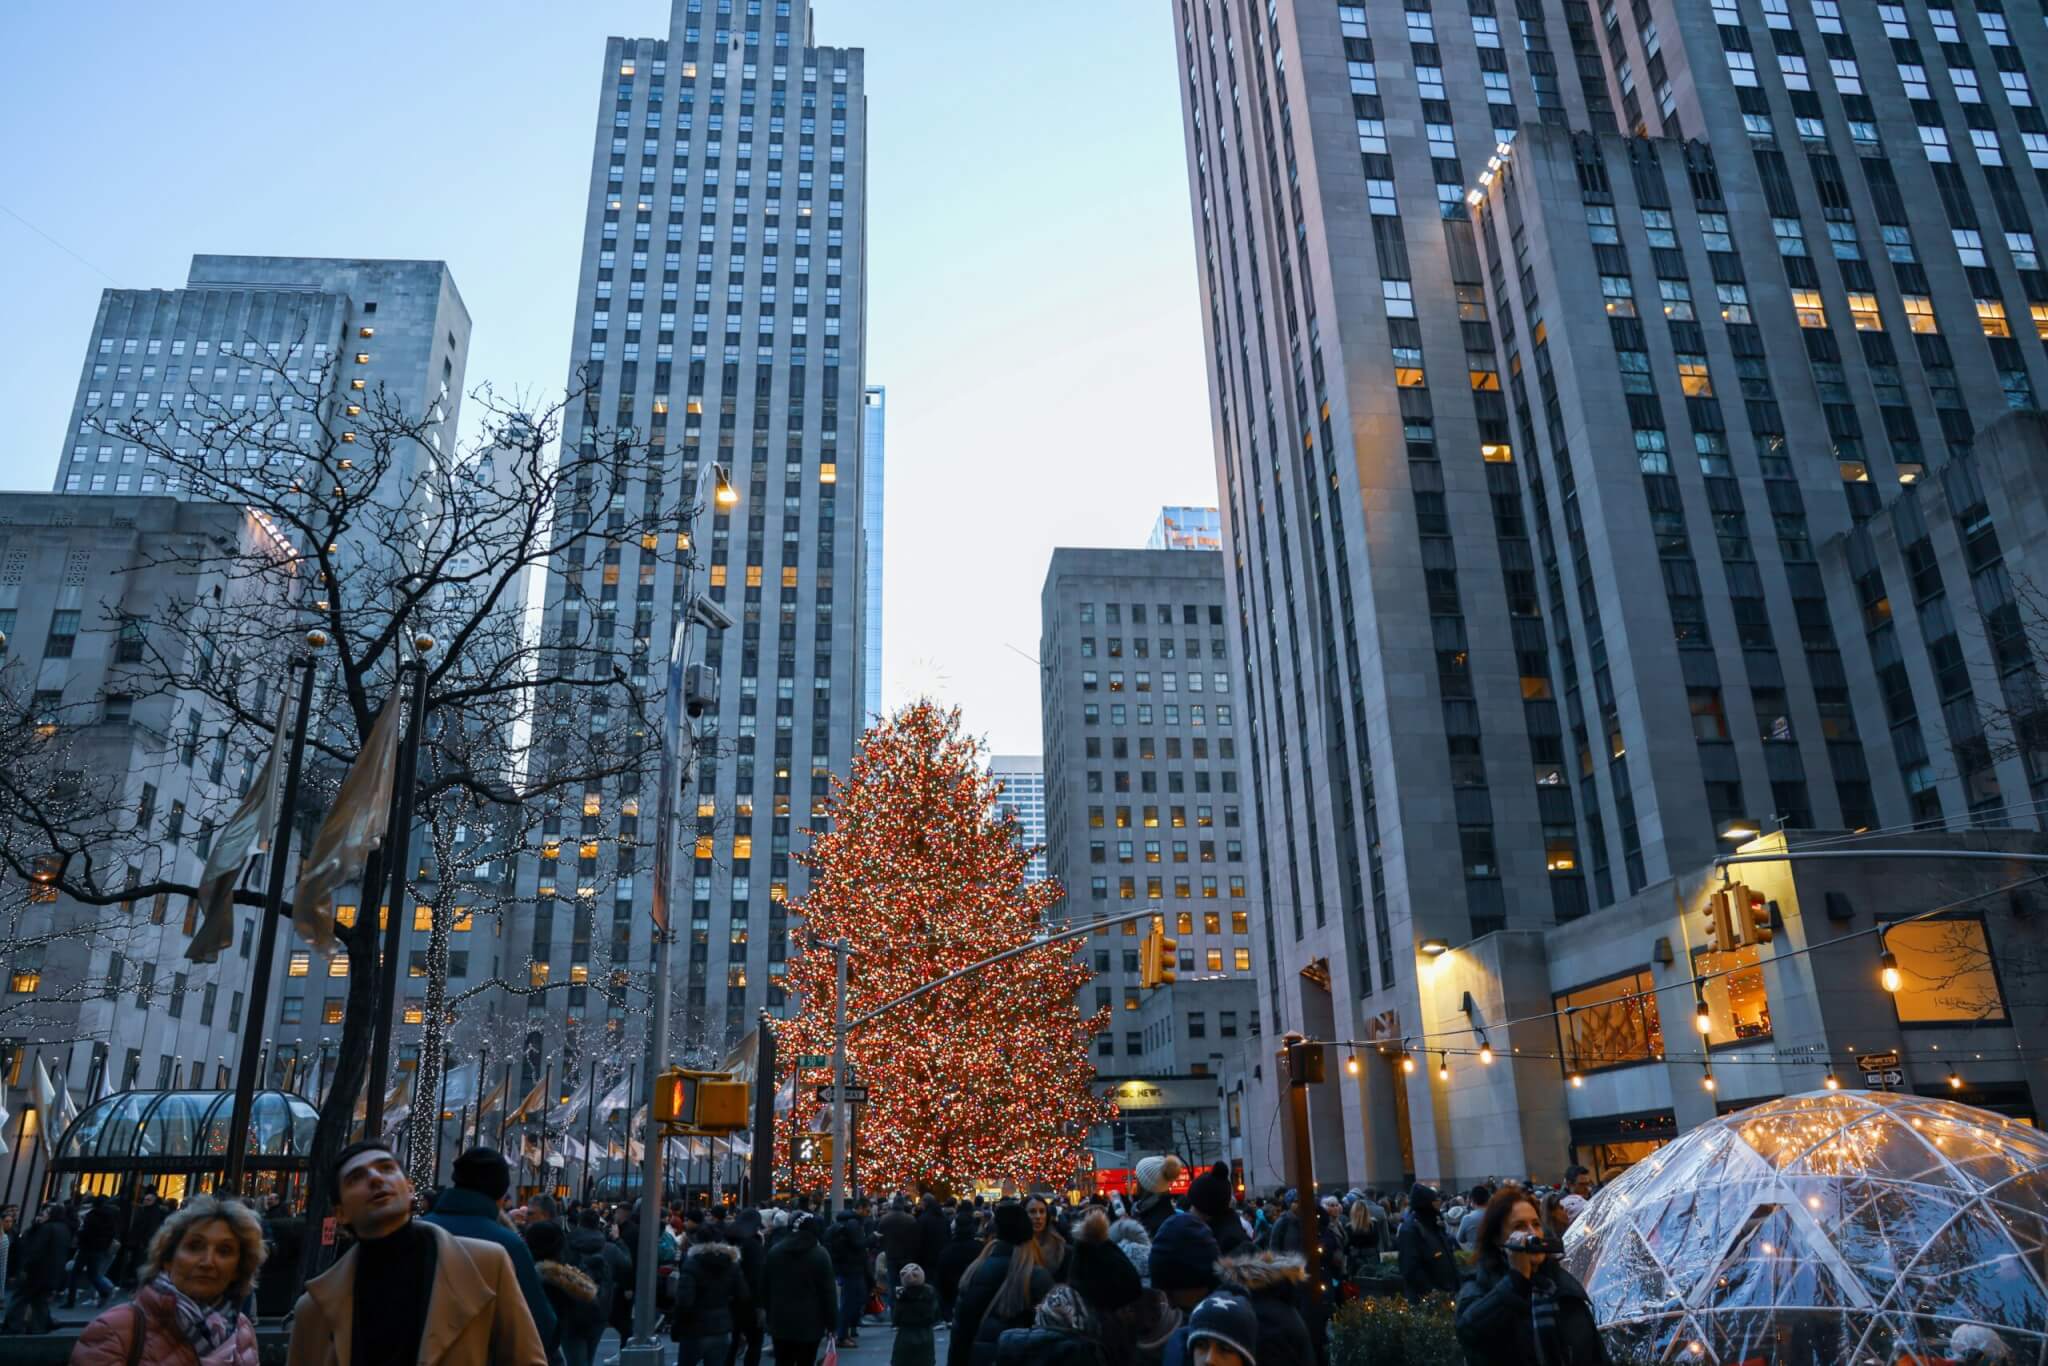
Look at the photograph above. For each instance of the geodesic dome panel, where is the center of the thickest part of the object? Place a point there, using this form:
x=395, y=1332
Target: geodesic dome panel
x=1836, y=1226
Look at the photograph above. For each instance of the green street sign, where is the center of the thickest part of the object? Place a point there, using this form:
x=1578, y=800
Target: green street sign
x=813, y=1060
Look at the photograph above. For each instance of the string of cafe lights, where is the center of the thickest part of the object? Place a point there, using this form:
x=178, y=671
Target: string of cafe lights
x=1889, y=977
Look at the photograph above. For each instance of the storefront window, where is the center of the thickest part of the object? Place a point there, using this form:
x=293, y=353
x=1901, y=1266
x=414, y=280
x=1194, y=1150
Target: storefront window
x=1610, y=1024
x=1735, y=995
x=1945, y=973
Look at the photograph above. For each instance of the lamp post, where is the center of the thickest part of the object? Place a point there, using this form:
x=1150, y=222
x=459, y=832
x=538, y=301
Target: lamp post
x=645, y=1349
x=397, y=839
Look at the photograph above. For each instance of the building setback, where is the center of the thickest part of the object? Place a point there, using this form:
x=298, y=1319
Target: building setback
x=720, y=316
x=1023, y=796
x=1142, y=806
x=1455, y=473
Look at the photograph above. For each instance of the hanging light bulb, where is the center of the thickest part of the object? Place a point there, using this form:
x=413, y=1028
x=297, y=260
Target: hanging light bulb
x=1888, y=971
x=1486, y=1052
x=1955, y=1080
x=1408, y=1063
x=1443, y=1067
x=1702, y=1018
x=1578, y=1077
x=1351, y=1064
x=1832, y=1082
x=1707, y=1081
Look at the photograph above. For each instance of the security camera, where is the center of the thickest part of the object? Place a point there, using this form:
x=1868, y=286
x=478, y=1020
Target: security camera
x=700, y=689
x=709, y=614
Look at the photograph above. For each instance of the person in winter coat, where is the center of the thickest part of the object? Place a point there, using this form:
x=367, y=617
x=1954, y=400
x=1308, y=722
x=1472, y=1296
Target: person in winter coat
x=469, y=1209
x=1063, y=1332
x=902, y=1243
x=147, y=1217
x=1274, y=1285
x=571, y=1295
x=847, y=1242
x=1183, y=1266
x=1155, y=1204
x=961, y=1249
x=917, y=1314
x=1429, y=1265
x=1209, y=1193
x=605, y=1263
x=1047, y=1243
x=1522, y=1306
x=1131, y=1238
x=40, y=1256
x=934, y=1231
x=999, y=1292
x=745, y=1235
x=97, y=1233
x=201, y=1263
x=711, y=1300
x=1133, y=1322
x=799, y=1294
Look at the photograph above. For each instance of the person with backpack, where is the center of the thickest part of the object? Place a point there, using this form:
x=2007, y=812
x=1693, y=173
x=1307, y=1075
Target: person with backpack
x=711, y=1299
x=572, y=1295
x=589, y=1251
x=470, y=1209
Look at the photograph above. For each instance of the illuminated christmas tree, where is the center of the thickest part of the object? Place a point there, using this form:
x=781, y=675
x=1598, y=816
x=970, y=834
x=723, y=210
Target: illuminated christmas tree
x=987, y=1078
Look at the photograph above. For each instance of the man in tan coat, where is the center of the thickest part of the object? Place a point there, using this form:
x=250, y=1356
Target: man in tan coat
x=408, y=1292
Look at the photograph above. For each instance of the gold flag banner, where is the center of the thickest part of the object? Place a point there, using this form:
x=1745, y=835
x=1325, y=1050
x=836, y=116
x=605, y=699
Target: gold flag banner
x=494, y=1098
x=534, y=1100
x=353, y=828
x=246, y=832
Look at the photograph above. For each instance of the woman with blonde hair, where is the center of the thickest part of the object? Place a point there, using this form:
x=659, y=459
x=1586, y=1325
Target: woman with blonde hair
x=200, y=1266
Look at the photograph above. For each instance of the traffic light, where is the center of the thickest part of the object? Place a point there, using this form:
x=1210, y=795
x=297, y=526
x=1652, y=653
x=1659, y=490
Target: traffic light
x=1751, y=913
x=672, y=1097
x=1720, y=923
x=1158, y=960
x=807, y=1148
x=722, y=1104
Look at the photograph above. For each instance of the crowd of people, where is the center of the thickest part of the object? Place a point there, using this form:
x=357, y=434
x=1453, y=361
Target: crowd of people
x=1203, y=1278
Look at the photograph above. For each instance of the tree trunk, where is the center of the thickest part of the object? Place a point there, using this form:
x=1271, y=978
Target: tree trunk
x=351, y=1066
x=423, y=1126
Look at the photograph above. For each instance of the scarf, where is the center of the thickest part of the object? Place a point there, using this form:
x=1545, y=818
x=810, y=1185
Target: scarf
x=205, y=1327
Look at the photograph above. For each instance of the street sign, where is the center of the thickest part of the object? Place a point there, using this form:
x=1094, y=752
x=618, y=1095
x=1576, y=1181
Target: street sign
x=813, y=1060
x=855, y=1095
x=1877, y=1062
x=1885, y=1079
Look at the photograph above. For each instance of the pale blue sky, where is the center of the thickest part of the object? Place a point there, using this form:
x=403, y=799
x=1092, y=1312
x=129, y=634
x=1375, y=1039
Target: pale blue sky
x=1032, y=288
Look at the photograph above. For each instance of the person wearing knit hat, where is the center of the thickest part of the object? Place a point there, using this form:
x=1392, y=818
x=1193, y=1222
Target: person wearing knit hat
x=1013, y=1225
x=1223, y=1331
x=1183, y=1260
x=1155, y=1176
x=1099, y=1270
x=1209, y=1193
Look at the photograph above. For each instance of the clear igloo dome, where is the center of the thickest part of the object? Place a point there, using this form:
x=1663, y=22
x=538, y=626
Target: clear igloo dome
x=1837, y=1226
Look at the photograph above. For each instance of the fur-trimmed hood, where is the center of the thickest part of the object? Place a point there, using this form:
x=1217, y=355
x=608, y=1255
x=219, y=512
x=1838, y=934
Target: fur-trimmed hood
x=1264, y=1272
x=568, y=1280
x=715, y=1252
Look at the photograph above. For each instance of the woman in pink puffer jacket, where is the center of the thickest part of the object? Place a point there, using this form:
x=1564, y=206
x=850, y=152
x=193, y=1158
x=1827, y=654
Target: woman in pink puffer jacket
x=200, y=1267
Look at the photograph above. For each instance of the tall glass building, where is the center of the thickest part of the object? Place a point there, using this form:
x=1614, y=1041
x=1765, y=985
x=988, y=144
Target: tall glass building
x=719, y=315
x=874, y=433
x=1548, y=345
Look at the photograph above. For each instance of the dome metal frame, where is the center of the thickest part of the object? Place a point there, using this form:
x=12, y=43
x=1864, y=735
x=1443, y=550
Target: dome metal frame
x=1833, y=1225
x=170, y=1131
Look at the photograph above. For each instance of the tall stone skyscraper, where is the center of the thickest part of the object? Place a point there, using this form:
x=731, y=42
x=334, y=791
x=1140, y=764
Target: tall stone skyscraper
x=720, y=316
x=1548, y=345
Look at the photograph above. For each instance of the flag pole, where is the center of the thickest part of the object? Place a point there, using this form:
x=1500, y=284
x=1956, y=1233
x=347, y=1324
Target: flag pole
x=589, y=1117
x=397, y=839
x=256, y=1014
x=483, y=1074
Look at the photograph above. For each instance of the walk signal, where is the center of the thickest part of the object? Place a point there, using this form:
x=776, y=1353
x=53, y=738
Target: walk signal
x=807, y=1148
x=703, y=1102
x=671, y=1097
x=1158, y=963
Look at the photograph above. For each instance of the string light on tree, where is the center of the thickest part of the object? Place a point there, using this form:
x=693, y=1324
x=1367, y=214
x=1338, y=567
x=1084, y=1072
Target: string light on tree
x=988, y=1077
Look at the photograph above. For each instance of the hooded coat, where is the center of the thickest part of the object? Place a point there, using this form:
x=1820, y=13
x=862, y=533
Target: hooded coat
x=711, y=1294
x=574, y=1299
x=1275, y=1284
x=1497, y=1319
x=1429, y=1265
x=953, y=1262
x=798, y=1290
x=917, y=1311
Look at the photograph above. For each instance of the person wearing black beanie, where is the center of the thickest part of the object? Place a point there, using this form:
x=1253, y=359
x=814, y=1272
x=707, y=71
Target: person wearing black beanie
x=1209, y=1193
x=1184, y=1260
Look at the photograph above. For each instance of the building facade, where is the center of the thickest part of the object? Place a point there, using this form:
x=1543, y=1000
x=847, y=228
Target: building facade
x=873, y=438
x=1451, y=471
x=1142, y=805
x=302, y=337
x=1186, y=528
x=1023, y=797
x=720, y=316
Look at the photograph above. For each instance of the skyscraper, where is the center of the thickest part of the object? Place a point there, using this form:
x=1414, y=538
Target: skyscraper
x=720, y=317
x=1455, y=474
x=1186, y=528
x=247, y=335
x=1023, y=780
x=874, y=424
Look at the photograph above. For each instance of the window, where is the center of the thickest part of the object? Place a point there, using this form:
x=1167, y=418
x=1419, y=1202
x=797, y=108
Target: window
x=299, y=964
x=1863, y=312
x=1946, y=972
x=1991, y=316
x=1242, y=959
x=1736, y=1005
x=1807, y=304
x=1919, y=313
x=1610, y=1024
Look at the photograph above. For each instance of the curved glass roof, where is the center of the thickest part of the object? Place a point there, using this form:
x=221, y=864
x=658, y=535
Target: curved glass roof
x=1832, y=1226
x=185, y=1124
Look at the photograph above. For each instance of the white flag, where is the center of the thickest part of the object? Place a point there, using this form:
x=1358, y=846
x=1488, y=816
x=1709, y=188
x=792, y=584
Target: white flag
x=785, y=1094
x=567, y=1110
x=353, y=828
x=459, y=1087
x=618, y=1098
x=246, y=832
x=54, y=1109
x=4, y=1117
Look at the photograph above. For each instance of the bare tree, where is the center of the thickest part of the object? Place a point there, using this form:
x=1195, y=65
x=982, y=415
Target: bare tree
x=396, y=545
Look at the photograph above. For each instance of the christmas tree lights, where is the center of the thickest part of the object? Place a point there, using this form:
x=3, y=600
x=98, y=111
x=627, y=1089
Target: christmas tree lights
x=987, y=1078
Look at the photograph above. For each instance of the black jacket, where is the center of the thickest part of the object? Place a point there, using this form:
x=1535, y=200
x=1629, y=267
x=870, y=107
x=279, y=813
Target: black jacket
x=797, y=1289
x=1152, y=1210
x=933, y=1233
x=604, y=1261
x=1275, y=1284
x=142, y=1226
x=711, y=1293
x=902, y=1240
x=100, y=1227
x=975, y=1329
x=847, y=1241
x=953, y=1262
x=1498, y=1313
x=1047, y=1347
x=40, y=1254
x=1429, y=1265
